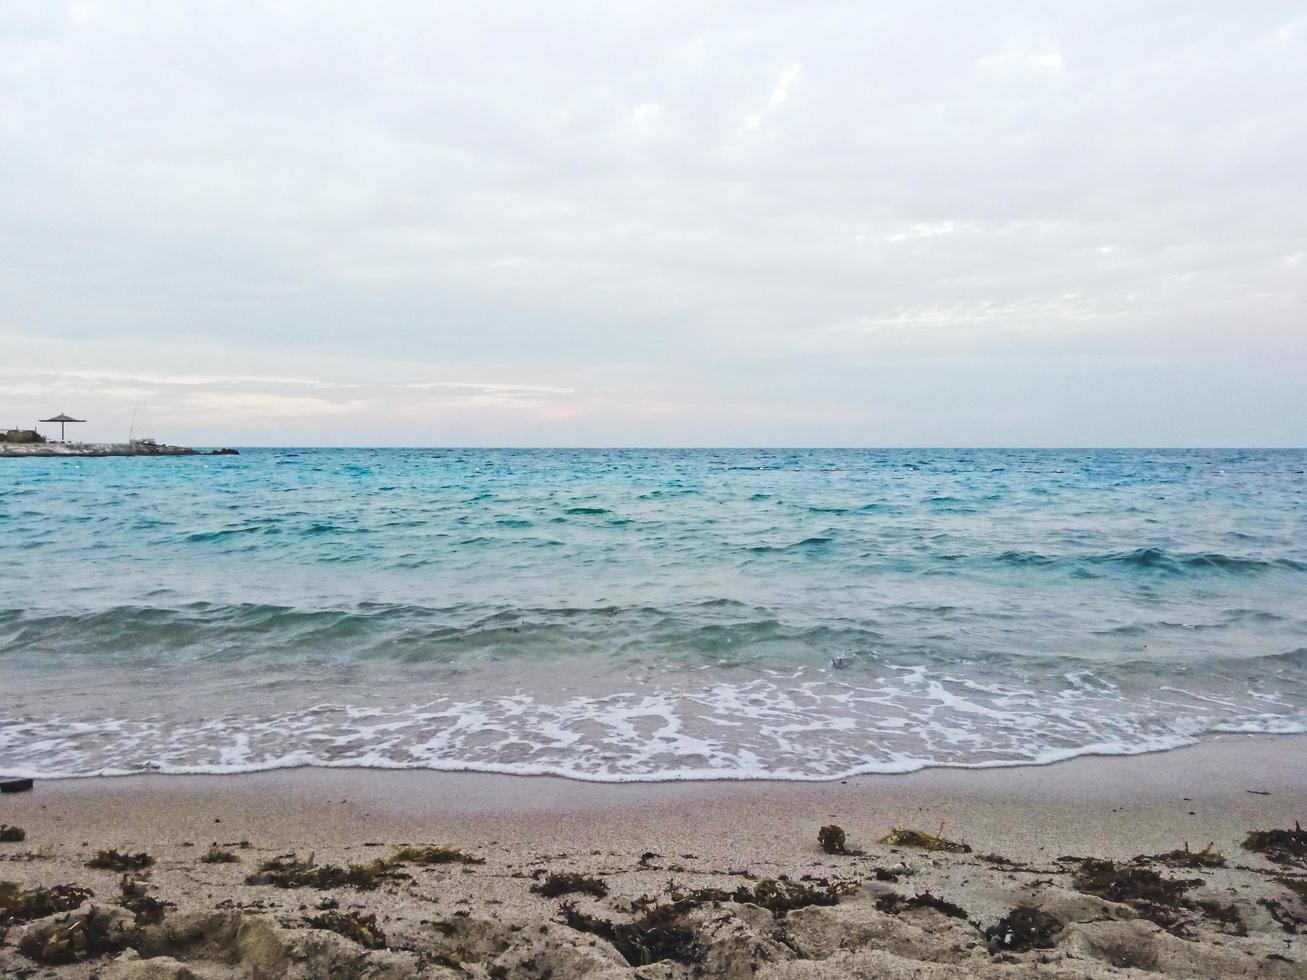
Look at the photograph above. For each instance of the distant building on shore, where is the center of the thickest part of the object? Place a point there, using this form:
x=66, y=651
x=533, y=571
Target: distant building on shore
x=21, y=436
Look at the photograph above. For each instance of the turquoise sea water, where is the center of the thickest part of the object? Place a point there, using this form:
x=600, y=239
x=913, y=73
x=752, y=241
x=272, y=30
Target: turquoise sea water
x=633, y=614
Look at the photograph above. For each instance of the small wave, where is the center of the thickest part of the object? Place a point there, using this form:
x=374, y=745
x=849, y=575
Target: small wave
x=1154, y=559
x=587, y=510
x=1160, y=559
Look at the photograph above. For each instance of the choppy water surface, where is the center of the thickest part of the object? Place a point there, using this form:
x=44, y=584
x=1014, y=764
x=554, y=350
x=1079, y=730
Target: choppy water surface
x=646, y=614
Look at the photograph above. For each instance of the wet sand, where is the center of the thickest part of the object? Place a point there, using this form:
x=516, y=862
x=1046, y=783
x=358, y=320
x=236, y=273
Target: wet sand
x=484, y=920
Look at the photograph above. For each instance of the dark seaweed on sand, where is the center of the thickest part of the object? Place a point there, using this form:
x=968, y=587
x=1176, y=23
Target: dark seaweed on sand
x=903, y=837
x=362, y=929
x=432, y=855
x=1024, y=928
x=1296, y=885
x=147, y=909
x=659, y=934
x=568, y=883
x=1280, y=846
x=11, y=835
x=216, y=855
x=287, y=871
x=894, y=904
x=85, y=937
x=662, y=933
x=113, y=860
x=19, y=904
x=1208, y=857
x=777, y=897
x=1121, y=883
x=1153, y=897
x=833, y=840
x=1289, y=921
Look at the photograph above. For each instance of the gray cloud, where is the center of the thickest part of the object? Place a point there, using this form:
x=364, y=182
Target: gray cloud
x=670, y=224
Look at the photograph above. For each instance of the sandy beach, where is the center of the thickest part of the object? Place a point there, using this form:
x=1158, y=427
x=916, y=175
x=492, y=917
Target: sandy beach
x=672, y=879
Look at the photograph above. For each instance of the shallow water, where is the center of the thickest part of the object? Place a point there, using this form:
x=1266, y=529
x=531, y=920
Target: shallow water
x=634, y=614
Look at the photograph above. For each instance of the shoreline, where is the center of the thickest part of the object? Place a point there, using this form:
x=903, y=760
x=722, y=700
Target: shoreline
x=1210, y=772
x=1072, y=756
x=687, y=848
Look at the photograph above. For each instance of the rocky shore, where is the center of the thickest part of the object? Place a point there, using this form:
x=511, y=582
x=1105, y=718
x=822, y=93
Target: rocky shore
x=46, y=449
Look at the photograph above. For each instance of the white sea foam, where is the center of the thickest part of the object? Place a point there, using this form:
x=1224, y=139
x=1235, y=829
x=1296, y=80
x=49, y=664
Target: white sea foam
x=759, y=729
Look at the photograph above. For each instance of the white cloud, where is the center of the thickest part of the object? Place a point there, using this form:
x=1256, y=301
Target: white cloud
x=245, y=405
x=1044, y=56
x=602, y=213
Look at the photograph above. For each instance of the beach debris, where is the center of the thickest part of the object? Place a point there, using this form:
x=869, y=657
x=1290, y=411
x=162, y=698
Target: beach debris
x=833, y=840
x=1122, y=883
x=362, y=929
x=1208, y=857
x=647, y=857
x=659, y=934
x=777, y=897
x=1290, y=922
x=147, y=909
x=570, y=882
x=432, y=855
x=1226, y=915
x=893, y=874
x=216, y=855
x=903, y=837
x=1159, y=900
x=19, y=904
x=287, y=871
x=1024, y=928
x=133, y=897
x=10, y=834
x=114, y=860
x=1296, y=885
x=15, y=785
x=662, y=933
x=894, y=904
x=73, y=938
x=1280, y=846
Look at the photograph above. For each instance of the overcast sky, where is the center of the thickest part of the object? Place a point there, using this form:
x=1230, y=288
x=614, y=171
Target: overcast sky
x=656, y=224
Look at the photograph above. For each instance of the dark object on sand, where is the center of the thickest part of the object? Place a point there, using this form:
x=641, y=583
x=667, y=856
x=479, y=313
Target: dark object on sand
x=1120, y=883
x=288, y=871
x=833, y=839
x=1208, y=857
x=1280, y=846
x=18, y=904
x=1024, y=928
x=661, y=934
x=777, y=897
x=894, y=904
x=432, y=855
x=363, y=929
x=118, y=861
x=902, y=837
x=84, y=937
x=569, y=883
x=11, y=835
x=216, y=855
x=15, y=785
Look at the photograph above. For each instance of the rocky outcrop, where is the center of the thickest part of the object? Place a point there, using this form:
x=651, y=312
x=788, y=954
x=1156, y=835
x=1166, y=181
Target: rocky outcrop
x=85, y=449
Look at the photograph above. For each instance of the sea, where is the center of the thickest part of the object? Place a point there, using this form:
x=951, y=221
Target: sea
x=627, y=614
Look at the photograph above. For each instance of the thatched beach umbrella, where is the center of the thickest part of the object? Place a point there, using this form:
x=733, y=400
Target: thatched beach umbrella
x=62, y=420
